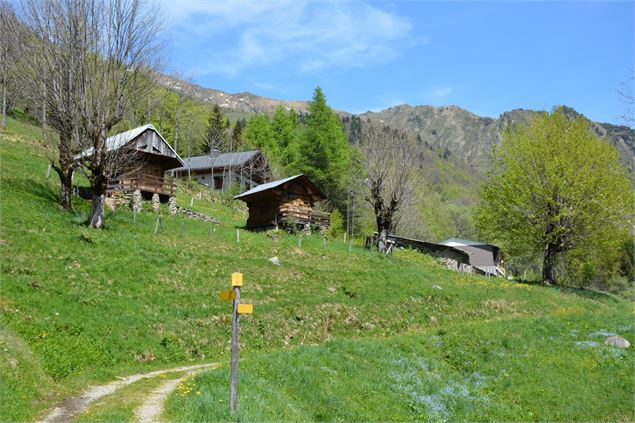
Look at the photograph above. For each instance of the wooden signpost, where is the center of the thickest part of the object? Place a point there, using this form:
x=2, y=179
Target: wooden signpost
x=237, y=310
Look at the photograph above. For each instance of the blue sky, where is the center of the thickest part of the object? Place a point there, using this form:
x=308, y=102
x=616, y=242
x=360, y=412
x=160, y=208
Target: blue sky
x=487, y=57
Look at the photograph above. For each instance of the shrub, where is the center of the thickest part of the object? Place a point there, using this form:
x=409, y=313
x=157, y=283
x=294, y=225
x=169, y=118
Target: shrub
x=336, y=227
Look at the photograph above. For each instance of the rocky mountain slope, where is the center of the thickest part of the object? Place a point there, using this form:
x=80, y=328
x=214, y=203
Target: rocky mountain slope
x=469, y=137
x=451, y=130
x=246, y=103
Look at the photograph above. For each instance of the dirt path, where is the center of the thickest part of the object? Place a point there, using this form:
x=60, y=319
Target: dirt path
x=71, y=407
x=151, y=409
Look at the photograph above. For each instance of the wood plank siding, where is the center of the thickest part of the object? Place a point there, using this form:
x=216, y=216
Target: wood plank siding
x=288, y=202
x=156, y=157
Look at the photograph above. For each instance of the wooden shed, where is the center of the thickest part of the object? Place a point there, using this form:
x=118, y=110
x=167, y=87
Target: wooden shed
x=153, y=156
x=485, y=258
x=289, y=201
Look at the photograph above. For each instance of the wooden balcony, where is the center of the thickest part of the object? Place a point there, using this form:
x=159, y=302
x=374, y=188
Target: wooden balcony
x=143, y=182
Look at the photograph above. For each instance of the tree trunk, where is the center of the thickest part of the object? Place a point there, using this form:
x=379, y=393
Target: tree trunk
x=176, y=129
x=66, y=187
x=548, y=265
x=3, y=123
x=98, y=186
x=382, y=241
x=97, y=211
x=383, y=229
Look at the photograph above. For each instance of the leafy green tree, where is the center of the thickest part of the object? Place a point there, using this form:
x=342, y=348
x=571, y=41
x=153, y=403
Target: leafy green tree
x=553, y=188
x=286, y=131
x=216, y=134
x=324, y=152
x=260, y=135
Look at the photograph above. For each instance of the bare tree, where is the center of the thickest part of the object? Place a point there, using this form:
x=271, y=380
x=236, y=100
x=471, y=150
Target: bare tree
x=255, y=169
x=390, y=168
x=96, y=59
x=9, y=51
x=52, y=78
x=182, y=105
x=628, y=97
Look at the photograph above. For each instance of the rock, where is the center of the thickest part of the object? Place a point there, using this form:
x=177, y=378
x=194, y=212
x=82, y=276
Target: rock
x=196, y=215
x=172, y=205
x=111, y=203
x=156, y=202
x=449, y=263
x=275, y=260
x=617, y=341
x=136, y=201
x=466, y=268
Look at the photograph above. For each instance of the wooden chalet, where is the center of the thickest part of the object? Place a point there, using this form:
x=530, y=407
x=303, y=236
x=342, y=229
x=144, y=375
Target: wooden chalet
x=153, y=156
x=287, y=202
x=222, y=171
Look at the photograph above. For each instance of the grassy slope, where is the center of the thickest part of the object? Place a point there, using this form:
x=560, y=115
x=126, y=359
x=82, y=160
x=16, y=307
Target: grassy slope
x=89, y=305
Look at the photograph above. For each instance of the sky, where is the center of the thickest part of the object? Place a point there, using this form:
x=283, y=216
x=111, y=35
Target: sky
x=486, y=57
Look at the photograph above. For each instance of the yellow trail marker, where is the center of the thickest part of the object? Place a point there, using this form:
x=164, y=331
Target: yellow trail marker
x=237, y=279
x=227, y=295
x=245, y=308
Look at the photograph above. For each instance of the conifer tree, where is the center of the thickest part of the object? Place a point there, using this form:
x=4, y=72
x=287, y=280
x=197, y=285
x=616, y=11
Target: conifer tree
x=216, y=133
x=237, y=135
x=285, y=129
x=260, y=135
x=324, y=153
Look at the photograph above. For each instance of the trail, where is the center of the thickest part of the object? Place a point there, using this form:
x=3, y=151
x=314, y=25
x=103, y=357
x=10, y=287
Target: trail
x=152, y=407
x=71, y=407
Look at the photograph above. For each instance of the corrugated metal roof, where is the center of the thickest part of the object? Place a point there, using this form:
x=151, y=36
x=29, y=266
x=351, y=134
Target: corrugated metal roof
x=123, y=138
x=459, y=241
x=267, y=186
x=215, y=160
x=119, y=140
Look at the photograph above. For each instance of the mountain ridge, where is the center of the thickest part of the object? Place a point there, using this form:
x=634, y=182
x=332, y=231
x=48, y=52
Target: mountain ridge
x=452, y=129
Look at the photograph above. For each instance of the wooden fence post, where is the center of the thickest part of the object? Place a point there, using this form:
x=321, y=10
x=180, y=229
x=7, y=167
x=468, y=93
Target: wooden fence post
x=237, y=310
x=159, y=222
x=237, y=280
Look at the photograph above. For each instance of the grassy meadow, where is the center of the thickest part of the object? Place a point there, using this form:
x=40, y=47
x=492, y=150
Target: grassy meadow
x=335, y=334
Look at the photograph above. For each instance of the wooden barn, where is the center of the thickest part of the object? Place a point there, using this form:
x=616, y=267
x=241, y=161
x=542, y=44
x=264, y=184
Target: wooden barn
x=289, y=201
x=153, y=156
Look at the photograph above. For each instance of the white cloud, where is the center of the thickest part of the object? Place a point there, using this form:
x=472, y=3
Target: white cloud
x=441, y=92
x=307, y=35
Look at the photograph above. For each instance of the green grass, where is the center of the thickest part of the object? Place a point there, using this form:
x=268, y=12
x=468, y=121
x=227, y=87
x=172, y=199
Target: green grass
x=516, y=369
x=24, y=385
x=89, y=305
